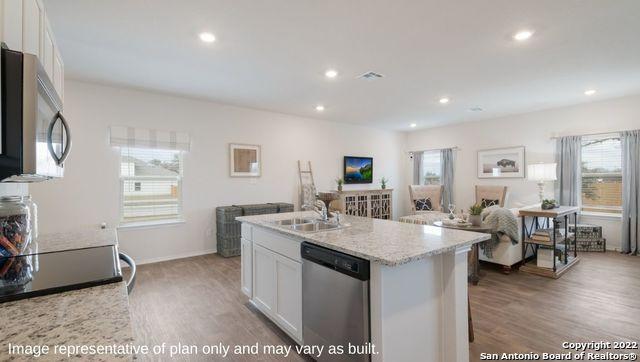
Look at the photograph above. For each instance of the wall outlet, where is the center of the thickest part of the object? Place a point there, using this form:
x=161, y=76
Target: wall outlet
x=209, y=232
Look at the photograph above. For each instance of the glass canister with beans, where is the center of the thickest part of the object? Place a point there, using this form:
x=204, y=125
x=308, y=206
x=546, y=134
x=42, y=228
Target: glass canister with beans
x=16, y=232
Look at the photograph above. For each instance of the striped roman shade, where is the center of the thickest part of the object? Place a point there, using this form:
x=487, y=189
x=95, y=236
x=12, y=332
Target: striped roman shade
x=122, y=136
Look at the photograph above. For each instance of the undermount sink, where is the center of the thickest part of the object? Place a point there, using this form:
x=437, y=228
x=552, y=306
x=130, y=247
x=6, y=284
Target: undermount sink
x=296, y=221
x=315, y=227
x=306, y=225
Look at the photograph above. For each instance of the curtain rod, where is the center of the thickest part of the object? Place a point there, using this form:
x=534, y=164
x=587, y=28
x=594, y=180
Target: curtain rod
x=436, y=149
x=587, y=134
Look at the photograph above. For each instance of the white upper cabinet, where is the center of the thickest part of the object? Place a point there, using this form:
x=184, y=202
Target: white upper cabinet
x=58, y=73
x=47, y=50
x=24, y=27
x=31, y=26
x=12, y=23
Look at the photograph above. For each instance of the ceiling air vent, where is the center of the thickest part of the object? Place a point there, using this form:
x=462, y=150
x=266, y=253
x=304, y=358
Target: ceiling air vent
x=371, y=75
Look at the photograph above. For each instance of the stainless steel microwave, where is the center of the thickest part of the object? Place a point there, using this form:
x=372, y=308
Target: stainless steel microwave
x=35, y=139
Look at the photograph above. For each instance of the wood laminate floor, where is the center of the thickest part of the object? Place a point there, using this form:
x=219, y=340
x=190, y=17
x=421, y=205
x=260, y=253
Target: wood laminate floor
x=198, y=301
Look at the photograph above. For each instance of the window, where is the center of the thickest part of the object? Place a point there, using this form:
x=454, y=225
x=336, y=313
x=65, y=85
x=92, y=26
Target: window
x=431, y=167
x=602, y=174
x=151, y=185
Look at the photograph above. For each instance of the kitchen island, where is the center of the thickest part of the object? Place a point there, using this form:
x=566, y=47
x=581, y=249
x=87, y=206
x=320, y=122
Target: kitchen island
x=418, y=281
x=90, y=316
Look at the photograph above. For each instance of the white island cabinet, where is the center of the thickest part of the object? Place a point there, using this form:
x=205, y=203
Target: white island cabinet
x=417, y=288
x=272, y=277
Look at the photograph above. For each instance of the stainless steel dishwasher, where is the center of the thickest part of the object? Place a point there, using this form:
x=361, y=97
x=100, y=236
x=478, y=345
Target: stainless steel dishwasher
x=335, y=301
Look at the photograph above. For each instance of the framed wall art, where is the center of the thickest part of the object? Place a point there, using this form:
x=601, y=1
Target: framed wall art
x=244, y=160
x=501, y=163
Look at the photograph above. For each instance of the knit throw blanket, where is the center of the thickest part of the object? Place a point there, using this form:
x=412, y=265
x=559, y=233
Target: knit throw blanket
x=503, y=222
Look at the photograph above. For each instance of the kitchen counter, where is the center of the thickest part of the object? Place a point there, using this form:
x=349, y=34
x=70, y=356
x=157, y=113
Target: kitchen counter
x=417, y=286
x=91, y=316
x=387, y=242
x=77, y=239
x=97, y=316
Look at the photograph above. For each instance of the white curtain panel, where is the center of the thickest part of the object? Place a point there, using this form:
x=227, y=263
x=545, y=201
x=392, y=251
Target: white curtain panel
x=123, y=136
x=446, y=176
x=568, y=160
x=417, y=168
x=630, y=190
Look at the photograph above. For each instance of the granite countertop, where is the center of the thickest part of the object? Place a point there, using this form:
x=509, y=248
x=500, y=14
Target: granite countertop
x=90, y=316
x=77, y=239
x=387, y=242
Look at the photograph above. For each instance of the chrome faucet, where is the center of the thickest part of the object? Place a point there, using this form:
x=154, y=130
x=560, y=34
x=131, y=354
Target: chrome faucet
x=337, y=217
x=320, y=208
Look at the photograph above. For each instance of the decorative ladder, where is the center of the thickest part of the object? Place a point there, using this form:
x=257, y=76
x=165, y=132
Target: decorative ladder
x=307, y=185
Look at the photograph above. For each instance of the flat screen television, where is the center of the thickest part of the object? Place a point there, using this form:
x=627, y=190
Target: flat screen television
x=358, y=170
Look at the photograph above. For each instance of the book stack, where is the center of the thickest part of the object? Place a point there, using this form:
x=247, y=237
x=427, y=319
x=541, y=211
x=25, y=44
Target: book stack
x=545, y=236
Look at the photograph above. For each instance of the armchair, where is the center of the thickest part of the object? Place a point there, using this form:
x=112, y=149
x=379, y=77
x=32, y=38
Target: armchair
x=432, y=193
x=491, y=195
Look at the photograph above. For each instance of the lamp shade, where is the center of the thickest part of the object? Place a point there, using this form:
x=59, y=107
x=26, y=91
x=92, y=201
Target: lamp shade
x=542, y=172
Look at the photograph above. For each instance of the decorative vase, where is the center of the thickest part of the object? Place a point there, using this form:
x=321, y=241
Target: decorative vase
x=339, y=187
x=384, y=186
x=475, y=220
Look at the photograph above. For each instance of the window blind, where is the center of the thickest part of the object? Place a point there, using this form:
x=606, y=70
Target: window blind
x=122, y=136
x=602, y=174
x=431, y=167
x=151, y=184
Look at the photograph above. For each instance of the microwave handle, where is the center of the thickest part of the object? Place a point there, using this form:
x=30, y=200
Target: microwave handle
x=67, y=146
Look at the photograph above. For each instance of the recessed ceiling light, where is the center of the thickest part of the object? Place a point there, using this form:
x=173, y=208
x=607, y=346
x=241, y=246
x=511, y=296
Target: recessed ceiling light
x=523, y=35
x=207, y=37
x=590, y=92
x=413, y=125
x=319, y=108
x=331, y=73
x=444, y=100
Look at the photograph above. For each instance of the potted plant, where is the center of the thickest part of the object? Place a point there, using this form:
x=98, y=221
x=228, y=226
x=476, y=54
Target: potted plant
x=339, y=182
x=475, y=217
x=549, y=204
x=383, y=183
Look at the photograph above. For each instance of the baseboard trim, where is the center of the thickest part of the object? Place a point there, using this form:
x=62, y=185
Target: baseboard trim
x=176, y=256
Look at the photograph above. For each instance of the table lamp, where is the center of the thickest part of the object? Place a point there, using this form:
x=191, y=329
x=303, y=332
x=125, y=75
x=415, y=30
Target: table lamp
x=541, y=172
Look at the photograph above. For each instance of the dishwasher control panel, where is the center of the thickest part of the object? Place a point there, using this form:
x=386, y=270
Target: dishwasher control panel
x=340, y=262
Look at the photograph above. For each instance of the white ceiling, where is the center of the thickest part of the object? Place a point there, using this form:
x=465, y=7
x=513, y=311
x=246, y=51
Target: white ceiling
x=272, y=54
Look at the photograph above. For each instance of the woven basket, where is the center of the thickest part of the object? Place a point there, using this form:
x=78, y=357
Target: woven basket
x=258, y=209
x=228, y=230
x=283, y=206
x=228, y=246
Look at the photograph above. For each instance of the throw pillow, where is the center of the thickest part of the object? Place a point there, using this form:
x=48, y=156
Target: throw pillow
x=486, y=203
x=423, y=205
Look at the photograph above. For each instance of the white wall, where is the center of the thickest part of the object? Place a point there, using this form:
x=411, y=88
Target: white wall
x=89, y=192
x=532, y=130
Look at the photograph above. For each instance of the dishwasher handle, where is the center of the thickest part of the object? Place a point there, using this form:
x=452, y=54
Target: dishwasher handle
x=342, y=263
x=132, y=265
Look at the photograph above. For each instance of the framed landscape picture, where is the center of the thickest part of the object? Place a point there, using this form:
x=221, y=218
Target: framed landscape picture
x=501, y=163
x=244, y=160
x=358, y=170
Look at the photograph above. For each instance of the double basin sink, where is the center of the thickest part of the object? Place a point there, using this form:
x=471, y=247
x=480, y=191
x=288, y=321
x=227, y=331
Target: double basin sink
x=308, y=225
